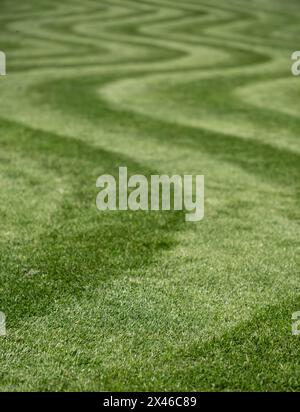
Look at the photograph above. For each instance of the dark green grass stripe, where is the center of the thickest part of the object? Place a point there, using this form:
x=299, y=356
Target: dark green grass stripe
x=263, y=160
x=81, y=248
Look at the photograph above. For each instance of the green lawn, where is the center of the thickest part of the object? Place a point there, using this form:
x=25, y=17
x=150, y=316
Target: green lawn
x=131, y=301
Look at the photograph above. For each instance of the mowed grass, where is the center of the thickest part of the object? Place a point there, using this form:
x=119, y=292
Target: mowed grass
x=130, y=301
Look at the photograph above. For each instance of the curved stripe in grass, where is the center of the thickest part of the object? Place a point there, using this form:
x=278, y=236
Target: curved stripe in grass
x=144, y=301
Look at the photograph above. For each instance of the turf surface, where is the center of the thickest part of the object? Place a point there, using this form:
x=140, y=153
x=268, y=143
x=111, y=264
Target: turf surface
x=144, y=301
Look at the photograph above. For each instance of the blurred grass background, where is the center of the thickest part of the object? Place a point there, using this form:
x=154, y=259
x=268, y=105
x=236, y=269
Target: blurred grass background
x=144, y=301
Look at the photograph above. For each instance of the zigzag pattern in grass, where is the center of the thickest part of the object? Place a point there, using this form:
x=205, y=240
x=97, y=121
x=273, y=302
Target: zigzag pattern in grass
x=142, y=301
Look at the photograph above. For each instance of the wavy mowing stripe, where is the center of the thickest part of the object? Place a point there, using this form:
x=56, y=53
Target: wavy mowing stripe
x=141, y=95
x=143, y=41
x=76, y=38
x=162, y=86
x=85, y=53
x=284, y=98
